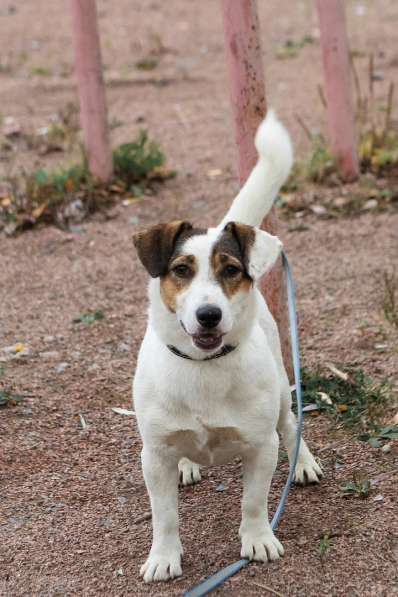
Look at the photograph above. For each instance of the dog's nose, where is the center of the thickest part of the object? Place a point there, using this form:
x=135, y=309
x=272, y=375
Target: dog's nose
x=209, y=316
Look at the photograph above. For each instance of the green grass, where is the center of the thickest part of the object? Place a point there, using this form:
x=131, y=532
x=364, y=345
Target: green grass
x=7, y=398
x=42, y=195
x=89, y=317
x=359, y=487
x=357, y=402
x=136, y=161
x=390, y=298
x=324, y=546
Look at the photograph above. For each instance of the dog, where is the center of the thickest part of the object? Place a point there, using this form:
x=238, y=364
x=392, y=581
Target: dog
x=210, y=383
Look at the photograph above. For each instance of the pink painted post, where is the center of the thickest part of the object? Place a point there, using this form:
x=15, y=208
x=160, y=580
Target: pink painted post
x=247, y=94
x=88, y=65
x=337, y=73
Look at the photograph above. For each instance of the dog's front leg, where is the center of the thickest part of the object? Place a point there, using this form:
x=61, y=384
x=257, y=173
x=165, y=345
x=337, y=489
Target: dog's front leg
x=161, y=478
x=258, y=540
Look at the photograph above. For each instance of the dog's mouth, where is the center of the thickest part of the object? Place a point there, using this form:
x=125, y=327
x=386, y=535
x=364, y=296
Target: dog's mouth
x=204, y=340
x=207, y=341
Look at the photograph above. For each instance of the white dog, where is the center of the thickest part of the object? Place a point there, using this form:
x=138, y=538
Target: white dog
x=210, y=383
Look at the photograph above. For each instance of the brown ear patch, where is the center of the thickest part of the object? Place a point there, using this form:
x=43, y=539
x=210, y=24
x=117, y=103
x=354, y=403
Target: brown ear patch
x=182, y=270
x=156, y=245
x=245, y=237
x=230, y=258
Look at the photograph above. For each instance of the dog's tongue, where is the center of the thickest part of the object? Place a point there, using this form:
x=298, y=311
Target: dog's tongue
x=207, y=341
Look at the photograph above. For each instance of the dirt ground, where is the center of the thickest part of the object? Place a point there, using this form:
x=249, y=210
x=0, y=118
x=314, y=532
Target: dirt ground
x=73, y=506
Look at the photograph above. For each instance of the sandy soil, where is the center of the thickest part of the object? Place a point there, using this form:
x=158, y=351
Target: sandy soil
x=73, y=503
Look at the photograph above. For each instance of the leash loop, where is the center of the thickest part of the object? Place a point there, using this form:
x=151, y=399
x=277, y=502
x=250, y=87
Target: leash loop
x=212, y=582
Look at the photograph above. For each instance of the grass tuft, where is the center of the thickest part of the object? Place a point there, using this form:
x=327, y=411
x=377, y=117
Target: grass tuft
x=359, y=487
x=351, y=397
x=7, y=398
x=133, y=162
x=68, y=194
x=390, y=298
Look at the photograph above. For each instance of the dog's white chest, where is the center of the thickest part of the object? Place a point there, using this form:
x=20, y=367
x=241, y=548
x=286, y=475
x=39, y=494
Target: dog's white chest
x=207, y=444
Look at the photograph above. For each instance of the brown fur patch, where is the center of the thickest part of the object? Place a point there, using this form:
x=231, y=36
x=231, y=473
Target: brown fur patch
x=230, y=259
x=171, y=284
x=156, y=245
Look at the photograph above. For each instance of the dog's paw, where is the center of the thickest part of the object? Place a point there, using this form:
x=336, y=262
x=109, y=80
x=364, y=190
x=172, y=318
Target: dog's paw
x=189, y=472
x=261, y=546
x=162, y=566
x=307, y=471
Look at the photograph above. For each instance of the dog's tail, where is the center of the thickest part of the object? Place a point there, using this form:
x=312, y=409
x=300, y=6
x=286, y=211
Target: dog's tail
x=275, y=159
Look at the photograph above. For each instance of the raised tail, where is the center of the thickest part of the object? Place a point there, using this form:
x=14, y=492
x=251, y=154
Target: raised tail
x=275, y=159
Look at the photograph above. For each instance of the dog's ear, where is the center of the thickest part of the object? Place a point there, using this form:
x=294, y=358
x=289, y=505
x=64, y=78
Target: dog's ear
x=156, y=245
x=259, y=249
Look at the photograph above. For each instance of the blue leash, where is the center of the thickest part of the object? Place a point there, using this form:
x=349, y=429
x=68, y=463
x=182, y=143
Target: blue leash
x=214, y=581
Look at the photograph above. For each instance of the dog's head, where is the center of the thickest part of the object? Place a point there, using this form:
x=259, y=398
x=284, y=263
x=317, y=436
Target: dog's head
x=206, y=277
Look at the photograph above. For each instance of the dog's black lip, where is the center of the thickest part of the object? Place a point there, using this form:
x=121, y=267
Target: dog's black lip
x=205, y=334
x=199, y=341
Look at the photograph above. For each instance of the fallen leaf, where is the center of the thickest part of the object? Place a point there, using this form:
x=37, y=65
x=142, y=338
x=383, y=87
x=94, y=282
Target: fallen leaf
x=337, y=372
x=123, y=411
x=310, y=408
x=83, y=422
x=325, y=397
x=342, y=408
x=38, y=211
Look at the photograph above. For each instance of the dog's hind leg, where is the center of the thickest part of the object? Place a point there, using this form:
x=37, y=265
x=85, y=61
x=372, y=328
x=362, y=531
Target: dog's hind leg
x=189, y=472
x=307, y=469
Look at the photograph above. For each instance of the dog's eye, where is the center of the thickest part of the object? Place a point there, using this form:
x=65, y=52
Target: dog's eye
x=231, y=271
x=181, y=271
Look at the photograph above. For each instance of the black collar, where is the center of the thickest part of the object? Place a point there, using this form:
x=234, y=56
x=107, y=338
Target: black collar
x=223, y=352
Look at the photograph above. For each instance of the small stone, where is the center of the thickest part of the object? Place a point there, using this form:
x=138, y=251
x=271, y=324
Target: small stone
x=60, y=368
x=49, y=338
x=119, y=572
x=386, y=448
x=379, y=498
x=124, y=347
x=318, y=210
x=340, y=201
x=50, y=354
x=122, y=500
x=75, y=212
x=11, y=128
x=105, y=521
x=370, y=204
x=221, y=487
x=134, y=220
x=214, y=173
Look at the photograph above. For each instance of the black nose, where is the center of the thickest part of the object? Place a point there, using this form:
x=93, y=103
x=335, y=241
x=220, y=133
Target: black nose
x=209, y=316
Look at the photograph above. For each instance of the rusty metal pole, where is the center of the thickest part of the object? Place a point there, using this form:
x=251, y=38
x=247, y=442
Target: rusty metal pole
x=338, y=86
x=88, y=66
x=247, y=94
